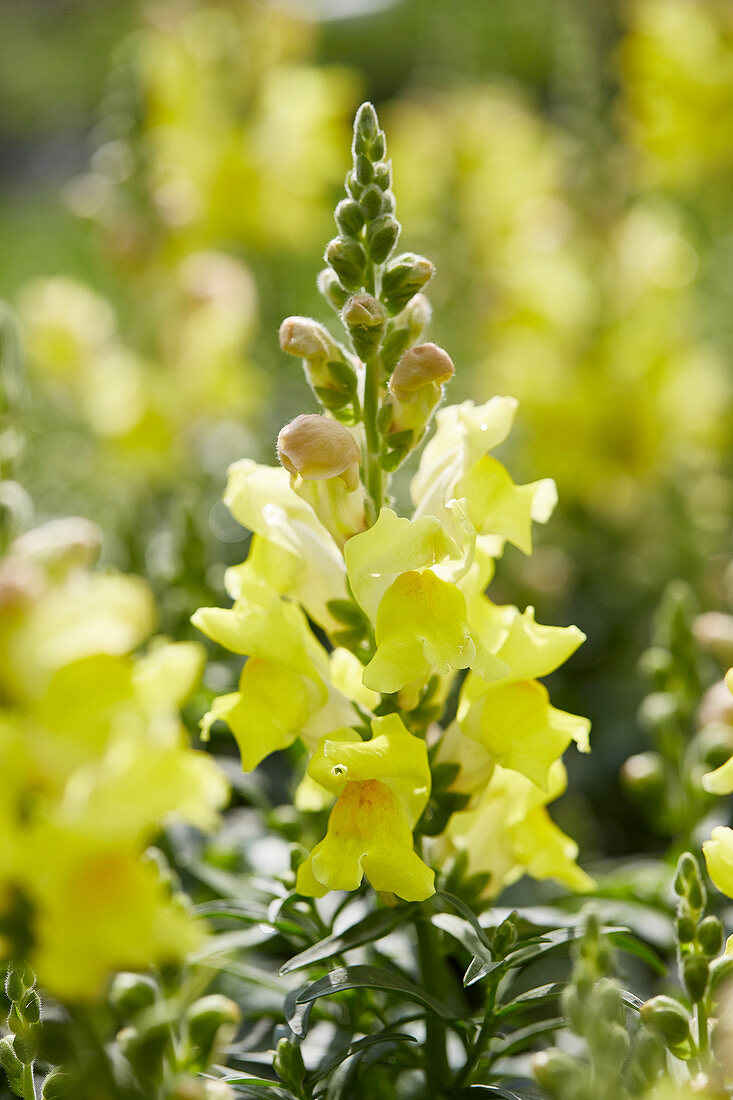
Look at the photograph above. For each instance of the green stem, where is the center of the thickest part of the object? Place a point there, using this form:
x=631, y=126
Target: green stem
x=485, y=1033
x=702, y=1032
x=373, y=474
x=437, y=1072
x=29, y=1085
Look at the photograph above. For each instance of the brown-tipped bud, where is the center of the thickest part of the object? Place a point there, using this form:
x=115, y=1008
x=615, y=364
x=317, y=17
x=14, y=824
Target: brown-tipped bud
x=305, y=338
x=366, y=319
x=318, y=448
x=424, y=365
x=714, y=632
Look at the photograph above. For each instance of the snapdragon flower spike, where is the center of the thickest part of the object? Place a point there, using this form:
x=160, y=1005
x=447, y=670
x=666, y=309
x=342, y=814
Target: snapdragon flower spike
x=401, y=600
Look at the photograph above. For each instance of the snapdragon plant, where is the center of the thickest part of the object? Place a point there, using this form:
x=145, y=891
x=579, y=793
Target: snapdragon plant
x=370, y=641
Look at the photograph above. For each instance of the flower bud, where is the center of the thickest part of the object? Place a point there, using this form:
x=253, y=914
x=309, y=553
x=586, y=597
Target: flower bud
x=716, y=706
x=382, y=236
x=417, y=314
x=667, y=1016
x=9, y=1060
x=59, y=1086
x=366, y=319
x=710, y=936
x=403, y=278
x=685, y=927
x=130, y=993
x=557, y=1072
x=304, y=337
x=289, y=1064
x=207, y=1017
x=31, y=1007
x=695, y=970
x=688, y=883
x=349, y=217
x=19, y=978
x=713, y=631
x=424, y=365
x=348, y=260
x=643, y=775
x=371, y=202
x=721, y=970
x=660, y=710
x=366, y=123
x=331, y=289
x=322, y=458
x=656, y=664
x=318, y=448
x=646, y=1061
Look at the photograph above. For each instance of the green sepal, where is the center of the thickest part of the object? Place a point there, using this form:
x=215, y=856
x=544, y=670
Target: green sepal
x=332, y=399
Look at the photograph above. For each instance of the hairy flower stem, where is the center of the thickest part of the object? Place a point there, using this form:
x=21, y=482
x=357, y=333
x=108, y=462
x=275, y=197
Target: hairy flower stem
x=437, y=1072
x=29, y=1085
x=373, y=474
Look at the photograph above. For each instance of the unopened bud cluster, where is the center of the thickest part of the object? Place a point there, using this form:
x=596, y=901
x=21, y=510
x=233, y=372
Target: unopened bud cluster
x=671, y=796
x=704, y=974
x=18, y=1049
x=387, y=385
x=618, y=1064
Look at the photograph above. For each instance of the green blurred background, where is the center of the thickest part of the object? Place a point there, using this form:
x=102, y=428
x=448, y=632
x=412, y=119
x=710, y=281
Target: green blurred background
x=168, y=174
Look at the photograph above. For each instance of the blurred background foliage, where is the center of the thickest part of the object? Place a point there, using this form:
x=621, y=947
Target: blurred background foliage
x=168, y=174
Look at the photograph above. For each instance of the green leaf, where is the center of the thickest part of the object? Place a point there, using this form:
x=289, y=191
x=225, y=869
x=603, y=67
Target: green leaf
x=359, y=1045
x=371, y=977
x=371, y=928
x=259, y=1086
x=523, y=1037
x=529, y=999
x=489, y=1090
x=627, y=941
x=297, y=1015
x=442, y=897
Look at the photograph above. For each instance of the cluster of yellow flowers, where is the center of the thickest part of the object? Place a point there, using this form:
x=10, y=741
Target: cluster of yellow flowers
x=95, y=760
x=399, y=601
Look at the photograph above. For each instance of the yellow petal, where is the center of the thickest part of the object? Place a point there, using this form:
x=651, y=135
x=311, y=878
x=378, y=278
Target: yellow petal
x=368, y=833
x=718, y=852
x=393, y=545
x=421, y=627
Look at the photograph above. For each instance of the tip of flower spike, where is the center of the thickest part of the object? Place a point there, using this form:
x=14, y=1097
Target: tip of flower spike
x=366, y=122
